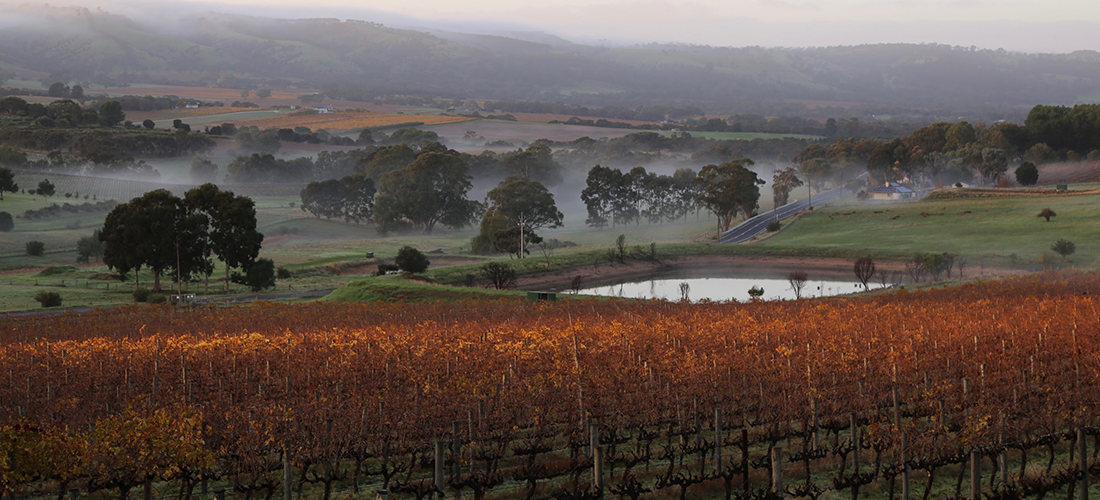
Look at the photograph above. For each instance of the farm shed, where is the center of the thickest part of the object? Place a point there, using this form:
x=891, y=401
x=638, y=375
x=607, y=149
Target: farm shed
x=892, y=192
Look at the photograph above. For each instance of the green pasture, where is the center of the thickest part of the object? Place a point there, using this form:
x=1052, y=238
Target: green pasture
x=744, y=136
x=220, y=118
x=995, y=227
x=326, y=254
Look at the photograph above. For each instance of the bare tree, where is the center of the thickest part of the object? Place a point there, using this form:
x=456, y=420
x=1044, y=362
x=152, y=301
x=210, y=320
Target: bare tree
x=864, y=269
x=620, y=247
x=960, y=264
x=798, y=281
x=949, y=263
x=575, y=284
x=883, y=277
x=685, y=290
x=547, y=247
x=915, y=267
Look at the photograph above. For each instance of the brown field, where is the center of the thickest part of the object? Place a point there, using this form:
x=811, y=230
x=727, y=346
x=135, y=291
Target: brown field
x=1058, y=173
x=200, y=93
x=349, y=120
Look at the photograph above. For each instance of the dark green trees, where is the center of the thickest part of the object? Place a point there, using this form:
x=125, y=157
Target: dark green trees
x=429, y=191
x=411, y=260
x=729, y=189
x=7, y=182
x=526, y=205
x=228, y=222
x=614, y=197
x=162, y=232
x=89, y=247
x=351, y=198
x=152, y=231
x=1027, y=174
x=45, y=189
x=110, y=113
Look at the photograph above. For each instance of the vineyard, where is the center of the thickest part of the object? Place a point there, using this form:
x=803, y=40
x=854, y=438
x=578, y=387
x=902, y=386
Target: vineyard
x=350, y=120
x=980, y=390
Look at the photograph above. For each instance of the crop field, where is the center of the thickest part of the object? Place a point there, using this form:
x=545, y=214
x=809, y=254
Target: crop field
x=349, y=120
x=524, y=132
x=981, y=389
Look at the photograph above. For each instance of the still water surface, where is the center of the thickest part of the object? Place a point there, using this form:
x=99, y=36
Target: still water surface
x=721, y=289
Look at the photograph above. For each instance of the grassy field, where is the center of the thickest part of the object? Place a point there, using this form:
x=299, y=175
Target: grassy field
x=328, y=254
x=743, y=136
x=974, y=227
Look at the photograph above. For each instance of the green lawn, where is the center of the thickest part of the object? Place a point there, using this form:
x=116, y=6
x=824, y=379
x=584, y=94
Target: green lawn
x=992, y=227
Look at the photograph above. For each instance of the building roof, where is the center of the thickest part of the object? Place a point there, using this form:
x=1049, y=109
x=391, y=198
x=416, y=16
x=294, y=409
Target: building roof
x=891, y=188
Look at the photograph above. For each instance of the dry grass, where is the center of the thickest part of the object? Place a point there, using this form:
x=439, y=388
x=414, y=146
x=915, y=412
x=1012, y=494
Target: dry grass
x=349, y=120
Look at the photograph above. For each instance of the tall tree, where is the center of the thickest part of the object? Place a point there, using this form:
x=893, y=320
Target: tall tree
x=155, y=230
x=729, y=189
x=7, y=182
x=783, y=182
x=110, y=113
x=358, y=196
x=431, y=190
x=386, y=160
x=229, y=225
x=323, y=198
x=598, y=193
x=527, y=204
x=536, y=163
x=45, y=189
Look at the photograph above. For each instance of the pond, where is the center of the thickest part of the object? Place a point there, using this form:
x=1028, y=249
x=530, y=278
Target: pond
x=722, y=289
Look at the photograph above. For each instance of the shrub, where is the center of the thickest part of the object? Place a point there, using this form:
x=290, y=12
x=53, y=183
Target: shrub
x=756, y=292
x=36, y=248
x=48, y=299
x=141, y=294
x=6, y=222
x=1046, y=213
x=384, y=269
x=411, y=260
x=282, y=273
x=260, y=275
x=1027, y=174
x=1064, y=247
x=774, y=226
x=158, y=298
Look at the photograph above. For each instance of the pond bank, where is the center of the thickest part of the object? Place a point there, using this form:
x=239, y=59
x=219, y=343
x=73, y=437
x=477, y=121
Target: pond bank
x=715, y=266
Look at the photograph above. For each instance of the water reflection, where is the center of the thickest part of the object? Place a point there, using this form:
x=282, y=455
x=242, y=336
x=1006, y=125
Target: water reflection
x=722, y=289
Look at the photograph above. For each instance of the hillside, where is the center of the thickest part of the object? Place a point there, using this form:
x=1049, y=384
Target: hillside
x=81, y=45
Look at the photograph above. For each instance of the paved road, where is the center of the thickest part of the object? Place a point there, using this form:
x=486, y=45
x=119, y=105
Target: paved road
x=753, y=227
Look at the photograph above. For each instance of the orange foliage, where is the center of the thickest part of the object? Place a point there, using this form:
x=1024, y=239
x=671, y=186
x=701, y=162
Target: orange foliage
x=973, y=365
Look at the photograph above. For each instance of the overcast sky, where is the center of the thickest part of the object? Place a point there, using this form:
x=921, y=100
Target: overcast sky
x=1021, y=25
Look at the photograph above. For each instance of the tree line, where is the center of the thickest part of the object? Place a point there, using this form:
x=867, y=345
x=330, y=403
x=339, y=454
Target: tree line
x=946, y=152
x=617, y=198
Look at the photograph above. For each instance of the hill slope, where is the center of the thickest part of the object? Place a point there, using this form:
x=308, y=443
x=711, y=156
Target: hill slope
x=328, y=52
